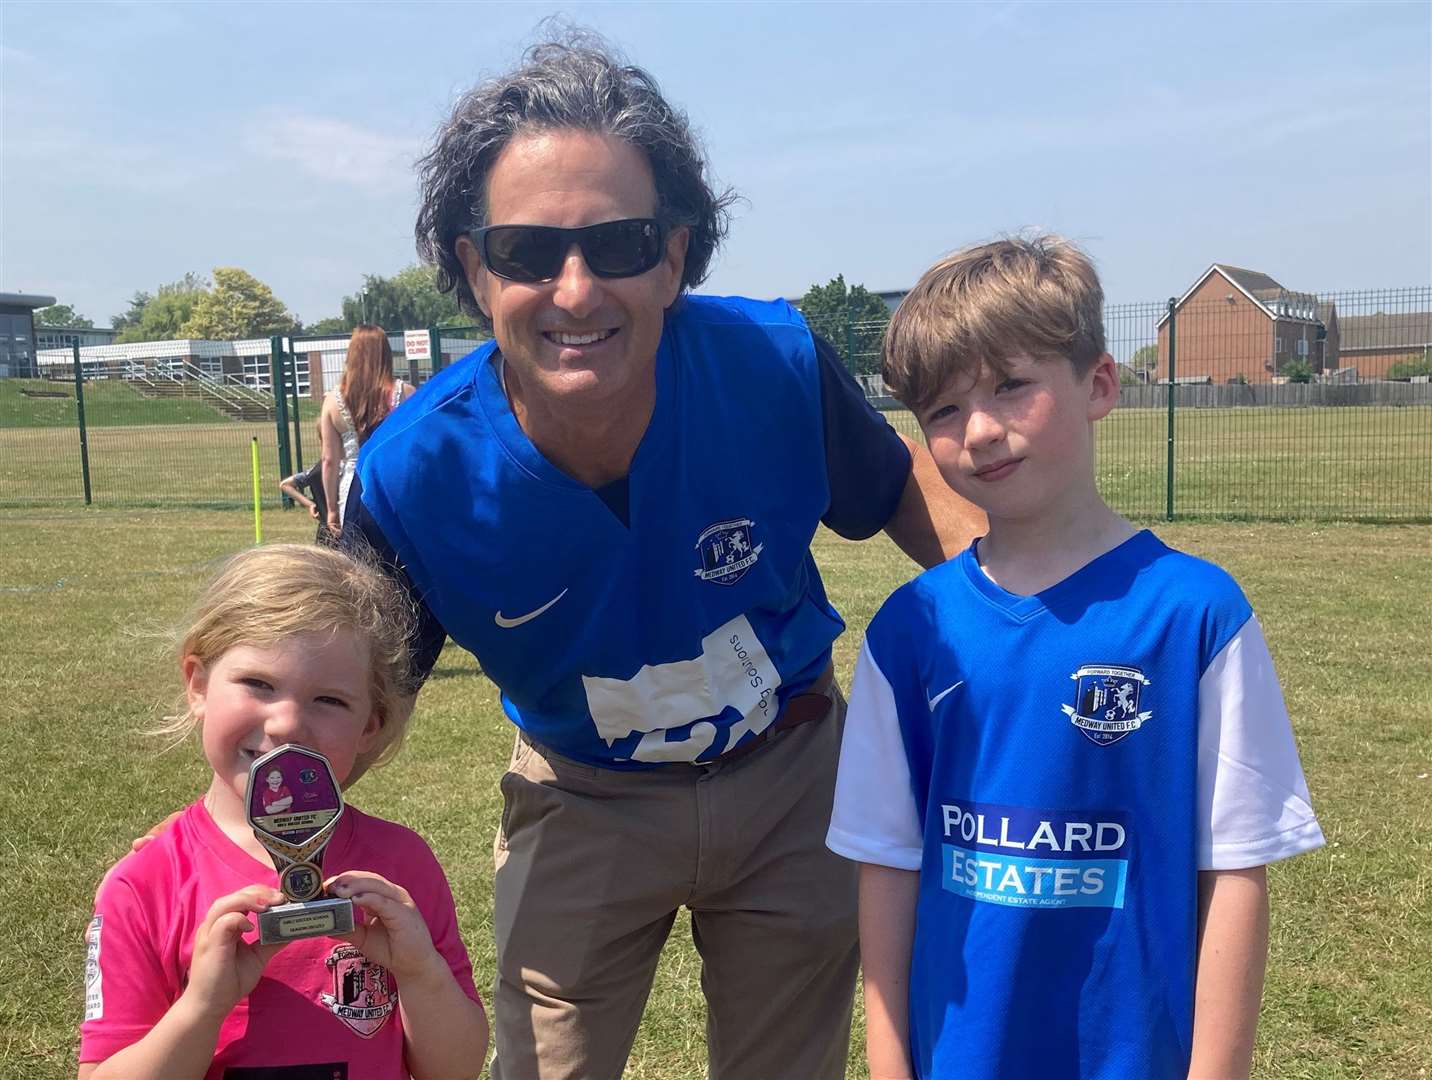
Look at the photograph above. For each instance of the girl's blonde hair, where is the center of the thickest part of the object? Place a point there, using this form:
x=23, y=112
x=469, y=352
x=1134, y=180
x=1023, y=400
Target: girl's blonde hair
x=266, y=595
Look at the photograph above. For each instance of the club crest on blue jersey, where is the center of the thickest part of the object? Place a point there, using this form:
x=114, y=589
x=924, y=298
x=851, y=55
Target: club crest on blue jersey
x=728, y=549
x=1106, y=702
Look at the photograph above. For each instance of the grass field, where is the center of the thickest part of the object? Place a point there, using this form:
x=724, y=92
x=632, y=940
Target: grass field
x=47, y=403
x=84, y=596
x=1271, y=464
x=1266, y=464
x=142, y=451
x=158, y=464
x=50, y=403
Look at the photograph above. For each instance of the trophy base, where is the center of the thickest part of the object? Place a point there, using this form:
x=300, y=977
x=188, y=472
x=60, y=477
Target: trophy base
x=316, y=918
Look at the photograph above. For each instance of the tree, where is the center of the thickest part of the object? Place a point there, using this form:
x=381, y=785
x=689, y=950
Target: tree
x=1297, y=371
x=161, y=317
x=1145, y=358
x=852, y=319
x=334, y=324
x=62, y=316
x=137, y=304
x=409, y=300
x=238, y=306
x=1410, y=368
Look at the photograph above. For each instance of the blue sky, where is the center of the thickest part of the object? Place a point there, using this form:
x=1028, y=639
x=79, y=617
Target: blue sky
x=140, y=141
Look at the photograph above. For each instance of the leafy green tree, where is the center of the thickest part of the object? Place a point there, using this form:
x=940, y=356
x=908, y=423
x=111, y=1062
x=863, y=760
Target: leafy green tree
x=62, y=316
x=137, y=304
x=409, y=300
x=1145, y=358
x=1414, y=365
x=238, y=306
x=1297, y=371
x=161, y=317
x=853, y=319
x=334, y=324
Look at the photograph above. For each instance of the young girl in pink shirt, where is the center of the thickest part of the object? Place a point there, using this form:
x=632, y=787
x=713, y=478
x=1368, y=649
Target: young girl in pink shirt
x=289, y=644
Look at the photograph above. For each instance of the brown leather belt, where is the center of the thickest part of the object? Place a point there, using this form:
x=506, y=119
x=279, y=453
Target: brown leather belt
x=804, y=708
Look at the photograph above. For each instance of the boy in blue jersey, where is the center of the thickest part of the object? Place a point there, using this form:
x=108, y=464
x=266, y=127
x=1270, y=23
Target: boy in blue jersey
x=1067, y=760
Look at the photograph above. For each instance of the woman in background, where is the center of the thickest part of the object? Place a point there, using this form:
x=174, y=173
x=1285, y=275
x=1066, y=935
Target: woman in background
x=365, y=395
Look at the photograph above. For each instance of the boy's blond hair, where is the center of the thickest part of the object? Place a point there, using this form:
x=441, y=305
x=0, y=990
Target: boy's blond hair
x=1039, y=297
x=266, y=595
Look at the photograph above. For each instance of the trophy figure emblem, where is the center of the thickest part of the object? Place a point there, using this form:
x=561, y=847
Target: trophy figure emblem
x=294, y=805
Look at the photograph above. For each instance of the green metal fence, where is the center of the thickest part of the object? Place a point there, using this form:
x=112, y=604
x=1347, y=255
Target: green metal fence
x=1272, y=405
x=1237, y=403
x=135, y=430
x=857, y=340
x=319, y=359
x=1241, y=402
x=172, y=423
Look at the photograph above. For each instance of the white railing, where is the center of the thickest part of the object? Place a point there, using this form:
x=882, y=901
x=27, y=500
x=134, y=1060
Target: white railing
x=185, y=373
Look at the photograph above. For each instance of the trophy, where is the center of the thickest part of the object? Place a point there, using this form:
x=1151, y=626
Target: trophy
x=294, y=805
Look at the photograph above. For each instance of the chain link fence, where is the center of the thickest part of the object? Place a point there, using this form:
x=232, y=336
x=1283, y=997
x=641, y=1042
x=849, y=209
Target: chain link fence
x=1237, y=402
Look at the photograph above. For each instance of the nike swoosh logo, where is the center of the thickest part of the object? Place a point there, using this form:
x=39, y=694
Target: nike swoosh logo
x=941, y=695
x=507, y=624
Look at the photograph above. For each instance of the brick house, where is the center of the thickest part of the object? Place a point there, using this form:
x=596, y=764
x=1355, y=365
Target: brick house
x=1237, y=325
x=1373, y=343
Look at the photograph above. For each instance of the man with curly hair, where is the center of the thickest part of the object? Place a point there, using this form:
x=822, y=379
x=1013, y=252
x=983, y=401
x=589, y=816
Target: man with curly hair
x=611, y=505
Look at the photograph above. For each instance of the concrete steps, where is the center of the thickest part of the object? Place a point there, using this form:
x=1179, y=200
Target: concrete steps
x=192, y=389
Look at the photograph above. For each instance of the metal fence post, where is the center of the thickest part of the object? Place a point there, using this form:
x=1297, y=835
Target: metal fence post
x=297, y=411
x=1172, y=390
x=436, y=348
x=84, y=434
x=280, y=406
x=849, y=339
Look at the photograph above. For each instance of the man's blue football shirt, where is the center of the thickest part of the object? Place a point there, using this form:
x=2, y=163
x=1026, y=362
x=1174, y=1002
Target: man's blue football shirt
x=671, y=632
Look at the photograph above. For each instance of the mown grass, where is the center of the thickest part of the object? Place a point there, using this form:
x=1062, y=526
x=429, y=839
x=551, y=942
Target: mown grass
x=47, y=403
x=153, y=465
x=1270, y=464
x=1267, y=464
x=51, y=403
x=85, y=597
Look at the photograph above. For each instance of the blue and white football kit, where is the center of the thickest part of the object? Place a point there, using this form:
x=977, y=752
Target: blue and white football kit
x=1058, y=768
x=670, y=628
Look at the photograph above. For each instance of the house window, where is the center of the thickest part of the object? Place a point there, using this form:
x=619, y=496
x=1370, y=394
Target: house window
x=1302, y=346
x=1277, y=346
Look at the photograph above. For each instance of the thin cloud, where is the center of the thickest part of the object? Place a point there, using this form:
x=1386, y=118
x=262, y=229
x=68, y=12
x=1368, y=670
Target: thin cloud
x=108, y=166
x=335, y=150
x=951, y=142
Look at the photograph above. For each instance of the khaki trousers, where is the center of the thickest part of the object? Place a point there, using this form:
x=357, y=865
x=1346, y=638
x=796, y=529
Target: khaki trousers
x=592, y=865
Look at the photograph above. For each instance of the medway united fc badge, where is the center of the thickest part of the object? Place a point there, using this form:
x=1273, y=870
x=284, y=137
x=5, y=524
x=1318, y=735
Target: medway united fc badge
x=728, y=549
x=1106, y=702
x=362, y=996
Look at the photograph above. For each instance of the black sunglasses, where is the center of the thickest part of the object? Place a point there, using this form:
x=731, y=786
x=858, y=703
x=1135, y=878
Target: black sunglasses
x=613, y=249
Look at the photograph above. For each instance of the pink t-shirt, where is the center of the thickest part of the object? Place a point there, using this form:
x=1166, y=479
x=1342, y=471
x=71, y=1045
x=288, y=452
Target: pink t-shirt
x=319, y=1003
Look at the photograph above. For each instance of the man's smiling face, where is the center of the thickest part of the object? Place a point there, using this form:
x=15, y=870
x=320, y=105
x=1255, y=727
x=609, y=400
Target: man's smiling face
x=579, y=338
